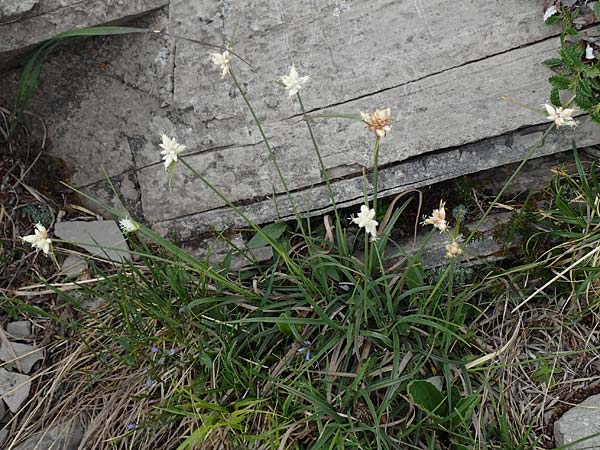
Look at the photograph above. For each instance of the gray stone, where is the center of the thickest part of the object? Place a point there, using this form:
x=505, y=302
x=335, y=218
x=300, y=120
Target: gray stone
x=20, y=329
x=22, y=356
x=216, y=250
x=101, y=238
x=14, y=389
x=92, y=304
x=72, y=266
x=434, y=252
x=579, y=422
x=335, y=44
x=57, y=17
x=244, y=174
x=395, y=178
x=3, y=410
x=65, y=436
x=13, y=9
x=441, y=66
x=3, y=436
x=114, y=103
x=437, y=381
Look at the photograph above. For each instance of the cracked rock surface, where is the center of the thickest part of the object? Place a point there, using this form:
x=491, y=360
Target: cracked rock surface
x=441, y=67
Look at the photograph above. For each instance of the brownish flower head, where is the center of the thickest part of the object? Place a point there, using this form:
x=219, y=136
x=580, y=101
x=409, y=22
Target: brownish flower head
x=437, y=218
x=453, y=250
x=379, y=121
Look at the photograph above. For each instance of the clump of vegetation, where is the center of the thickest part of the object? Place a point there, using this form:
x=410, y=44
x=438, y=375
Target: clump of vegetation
x=577, y=69
x=333, y=342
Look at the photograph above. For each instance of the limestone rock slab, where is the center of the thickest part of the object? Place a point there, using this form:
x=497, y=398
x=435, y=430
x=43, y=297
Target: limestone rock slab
x=64, y=436
x=14, y=389
x=13, y=9
x=579, y=422
x=98, y=98
x=413, y=173
x=467, y=98
x=72, y=266
x=349, y=48
x=20, y=329
x=57, y=17
x=101, y=238
x=22, y=356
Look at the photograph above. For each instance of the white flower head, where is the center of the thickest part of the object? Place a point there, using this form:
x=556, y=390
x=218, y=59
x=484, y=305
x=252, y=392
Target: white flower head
x=171, y=149
x=437, y=218
x=128, y=226
x=589, y=52
x=379, y=121
x=550, y=12
x=39, y=240
x=292, y=82
x=561, y=117
x=365, y=220
x=222, y=60
x=453, y=250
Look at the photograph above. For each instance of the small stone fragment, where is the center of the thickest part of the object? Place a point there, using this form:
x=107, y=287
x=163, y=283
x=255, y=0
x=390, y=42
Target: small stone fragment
x=64, y=436
x=14, y=389
x=26, y=355
x=101, y=238
x=2, y=410
x=3, y=436
x=92, y=304
x=437, y=381
x=20, y=329
x=72, y=266
x=579, y=422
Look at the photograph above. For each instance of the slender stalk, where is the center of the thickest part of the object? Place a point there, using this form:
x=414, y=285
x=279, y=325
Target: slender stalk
x=370, y=260
x=375, y=170
x=528, y=156
x=324, y=173
x=239, y=212
x=294, y=268
x=270, y=150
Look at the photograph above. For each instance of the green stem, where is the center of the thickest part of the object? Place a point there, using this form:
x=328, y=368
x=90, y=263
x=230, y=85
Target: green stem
x=529, y=154
x=239, y=212
x=375, y=171
x=324, y=173
x=370, y=261
x=270, y=150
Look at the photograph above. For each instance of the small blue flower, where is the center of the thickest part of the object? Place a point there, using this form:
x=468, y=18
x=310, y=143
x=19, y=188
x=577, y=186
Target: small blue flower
x=183, y=309
x=305, y=350
x=150, y=382
x=171, y=352
x=161, y=361
x=154, y=349
x=132, y=426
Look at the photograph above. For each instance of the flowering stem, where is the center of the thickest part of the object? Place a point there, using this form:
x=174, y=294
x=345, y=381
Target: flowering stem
x=375, y=171
x=294, y=268
x=53, y=258
x=205, y=44
x=321, y=164
x=529, y=154
x=250, y=222
x=522, y=105
x=270, y=150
